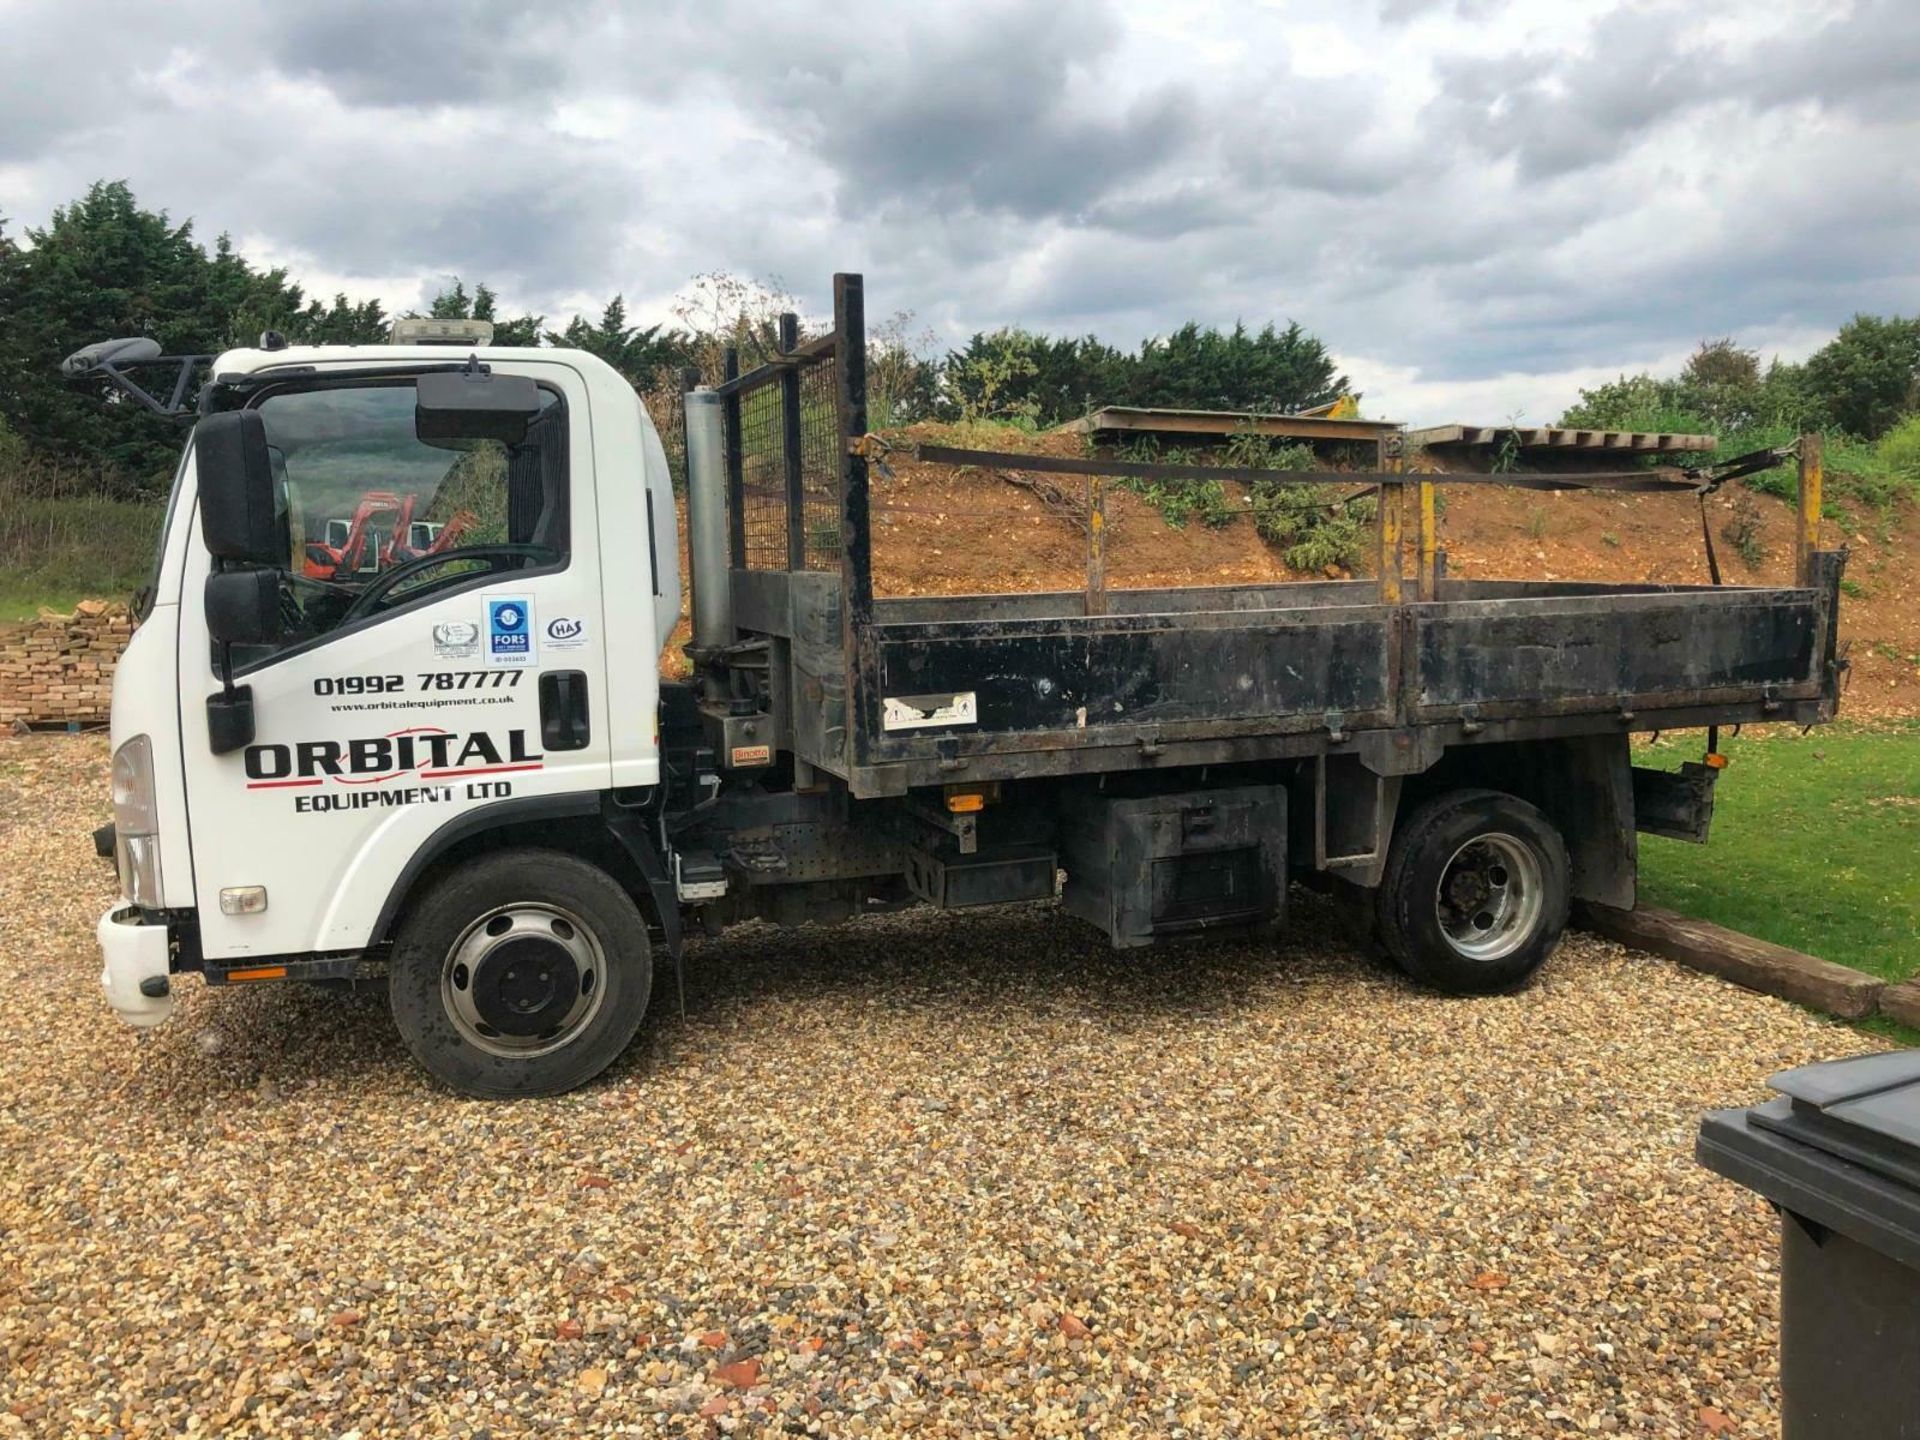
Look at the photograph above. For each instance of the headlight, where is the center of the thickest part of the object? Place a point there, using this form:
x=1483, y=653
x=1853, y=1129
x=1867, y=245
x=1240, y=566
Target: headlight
x=136, y=823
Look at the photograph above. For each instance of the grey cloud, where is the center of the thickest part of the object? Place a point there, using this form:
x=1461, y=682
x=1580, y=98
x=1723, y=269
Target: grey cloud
x=1042, y=165
x=56, y=91
x=1167, y=214
x=1562, y=115
x=379, y=53
x=1400, y=12
x=975, y=110
x=1316, y=135
x=1559, y=113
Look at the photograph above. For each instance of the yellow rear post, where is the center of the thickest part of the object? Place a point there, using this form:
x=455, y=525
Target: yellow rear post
x=1429, y=546
x=1807, y=535
x=1392, y=517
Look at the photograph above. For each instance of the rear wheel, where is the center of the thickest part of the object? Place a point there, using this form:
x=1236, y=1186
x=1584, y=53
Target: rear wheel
x=1475, y=892
x=523, y=972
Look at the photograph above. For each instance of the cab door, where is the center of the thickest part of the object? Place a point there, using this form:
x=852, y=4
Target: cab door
x=443, y=652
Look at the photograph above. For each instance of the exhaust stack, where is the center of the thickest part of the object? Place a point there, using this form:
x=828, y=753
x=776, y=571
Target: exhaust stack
x=707, y=545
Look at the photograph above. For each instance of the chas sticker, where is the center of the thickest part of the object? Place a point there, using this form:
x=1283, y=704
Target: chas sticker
x=566, y=633
x=510, y=632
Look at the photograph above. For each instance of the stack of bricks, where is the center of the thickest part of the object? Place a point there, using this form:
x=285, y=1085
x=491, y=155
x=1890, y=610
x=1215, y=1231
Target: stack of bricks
x=59, y=668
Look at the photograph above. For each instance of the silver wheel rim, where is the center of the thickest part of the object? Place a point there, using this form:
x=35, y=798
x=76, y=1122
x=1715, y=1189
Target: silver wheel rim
x=560, y=940
x=1490, y=897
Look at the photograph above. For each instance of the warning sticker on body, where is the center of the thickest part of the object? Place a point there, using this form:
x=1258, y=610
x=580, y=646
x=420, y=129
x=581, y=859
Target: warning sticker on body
x=921, y=712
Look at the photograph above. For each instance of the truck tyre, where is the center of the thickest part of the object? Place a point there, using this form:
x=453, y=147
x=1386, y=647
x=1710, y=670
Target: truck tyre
x=521, y=972
x=1475, y=892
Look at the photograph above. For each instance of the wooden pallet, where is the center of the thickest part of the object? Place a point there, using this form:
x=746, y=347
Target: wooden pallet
x=1644, y=442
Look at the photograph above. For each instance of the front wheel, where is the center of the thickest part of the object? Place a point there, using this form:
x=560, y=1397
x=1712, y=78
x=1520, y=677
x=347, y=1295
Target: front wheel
x=522, y=972
x=1475, y=892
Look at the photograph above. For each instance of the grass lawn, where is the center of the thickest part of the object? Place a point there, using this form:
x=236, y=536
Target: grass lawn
x=24, y=600
x=1816, y=844
x=56, y=551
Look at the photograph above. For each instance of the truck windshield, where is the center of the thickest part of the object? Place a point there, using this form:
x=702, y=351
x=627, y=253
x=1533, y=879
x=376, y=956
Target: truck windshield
x=364, y=494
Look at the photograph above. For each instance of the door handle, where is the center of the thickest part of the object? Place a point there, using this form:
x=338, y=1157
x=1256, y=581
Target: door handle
x=563, y=710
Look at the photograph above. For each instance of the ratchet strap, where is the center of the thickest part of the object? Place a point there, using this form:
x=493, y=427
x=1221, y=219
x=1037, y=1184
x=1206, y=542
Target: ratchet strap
x=1711, y=478
x=1706, y=536
x=1627, y=480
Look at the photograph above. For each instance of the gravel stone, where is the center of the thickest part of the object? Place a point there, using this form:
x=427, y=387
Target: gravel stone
x=926, y=1174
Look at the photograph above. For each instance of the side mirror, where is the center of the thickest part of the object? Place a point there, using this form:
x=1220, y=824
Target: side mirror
x=458, y=405
x=139, y=350
x=243, y=607
x=239, y=517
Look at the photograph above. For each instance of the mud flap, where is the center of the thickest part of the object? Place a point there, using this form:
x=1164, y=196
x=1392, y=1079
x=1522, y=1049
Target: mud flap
x=1675, y=803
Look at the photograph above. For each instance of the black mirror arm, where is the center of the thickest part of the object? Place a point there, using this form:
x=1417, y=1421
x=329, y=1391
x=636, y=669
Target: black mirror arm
x=175, y=407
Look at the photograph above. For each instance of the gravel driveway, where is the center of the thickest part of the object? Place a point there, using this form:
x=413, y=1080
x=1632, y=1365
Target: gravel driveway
x=929, y=1174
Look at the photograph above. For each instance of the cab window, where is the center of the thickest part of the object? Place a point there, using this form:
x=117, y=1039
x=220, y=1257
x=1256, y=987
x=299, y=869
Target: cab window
x=378, y=518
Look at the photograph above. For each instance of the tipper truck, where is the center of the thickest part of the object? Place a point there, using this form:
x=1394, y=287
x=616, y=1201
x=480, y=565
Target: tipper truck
x=460, y=773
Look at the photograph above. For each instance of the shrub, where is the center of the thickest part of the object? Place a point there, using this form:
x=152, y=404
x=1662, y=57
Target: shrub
x=1742, y=529
x=1178, y=501
x=1314, y=525
x=989, y=381
x=1899, y=450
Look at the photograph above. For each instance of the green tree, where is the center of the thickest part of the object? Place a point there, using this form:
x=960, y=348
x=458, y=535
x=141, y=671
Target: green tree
x=1721, y=390
x=343, y=322
x=903, y=384
x=639, y=352
x=1722, y=381
x=1195, y=367
x=994, y=379
x=1272, y=370
x=1048, y=379
x=1722, y=364
x=454, y=303
x=1866, y=377
x=104, y=268
x=1785, y=398
x=1626, y=403
x=1076, y=375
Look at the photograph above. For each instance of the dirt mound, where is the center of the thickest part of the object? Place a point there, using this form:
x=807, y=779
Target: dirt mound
x=946, y=530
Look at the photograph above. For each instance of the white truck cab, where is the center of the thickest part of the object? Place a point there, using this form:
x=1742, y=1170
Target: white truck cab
x=296, y=729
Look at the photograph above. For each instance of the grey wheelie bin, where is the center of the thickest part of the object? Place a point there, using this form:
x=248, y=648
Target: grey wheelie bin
x=1838, y=1154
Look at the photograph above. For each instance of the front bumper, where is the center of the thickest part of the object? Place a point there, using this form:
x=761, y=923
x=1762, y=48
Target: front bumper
x=136, y=955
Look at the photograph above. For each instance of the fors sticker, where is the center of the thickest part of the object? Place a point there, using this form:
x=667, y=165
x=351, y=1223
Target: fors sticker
x=510, y=632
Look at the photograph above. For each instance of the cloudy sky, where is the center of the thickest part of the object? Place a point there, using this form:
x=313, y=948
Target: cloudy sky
x=1479, y=205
